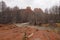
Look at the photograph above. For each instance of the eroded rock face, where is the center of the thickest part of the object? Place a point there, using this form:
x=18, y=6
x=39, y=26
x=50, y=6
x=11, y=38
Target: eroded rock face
x=22, y=33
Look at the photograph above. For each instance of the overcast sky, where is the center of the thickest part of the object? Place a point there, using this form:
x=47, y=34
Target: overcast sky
x=33, y=3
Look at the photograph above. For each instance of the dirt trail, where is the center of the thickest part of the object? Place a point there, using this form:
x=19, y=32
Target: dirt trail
x=37, y=27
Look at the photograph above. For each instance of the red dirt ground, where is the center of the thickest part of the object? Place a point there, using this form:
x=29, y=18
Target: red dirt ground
x=11, y=32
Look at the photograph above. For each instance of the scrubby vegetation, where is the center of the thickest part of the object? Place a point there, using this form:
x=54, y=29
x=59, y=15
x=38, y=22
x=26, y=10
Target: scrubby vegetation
x=34, y=17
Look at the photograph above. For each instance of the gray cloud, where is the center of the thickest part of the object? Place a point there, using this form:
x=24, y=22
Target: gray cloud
x=33, y=3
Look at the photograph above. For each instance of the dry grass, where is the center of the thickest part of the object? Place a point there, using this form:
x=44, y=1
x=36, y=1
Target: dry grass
x=58, y=24
x=47, y=25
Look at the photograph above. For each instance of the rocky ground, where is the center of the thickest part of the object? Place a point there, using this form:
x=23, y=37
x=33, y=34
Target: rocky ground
x=13, y=32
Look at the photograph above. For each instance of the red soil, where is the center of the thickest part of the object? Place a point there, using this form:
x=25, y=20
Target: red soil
x=11, y=32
